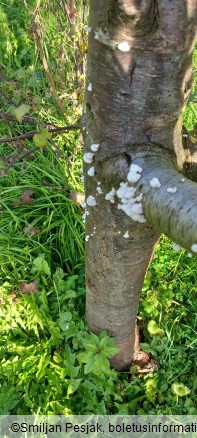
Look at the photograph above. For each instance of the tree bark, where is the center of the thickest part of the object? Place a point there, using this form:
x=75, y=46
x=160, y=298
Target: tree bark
x=139, y=77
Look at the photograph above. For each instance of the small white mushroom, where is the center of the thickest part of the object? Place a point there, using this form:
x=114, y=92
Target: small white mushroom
x=110, y=196
x=89, y=87
x=171, y=189
x=176, y=247
x=94, y=147
x=194, y=247
x=91, y=171
x=88, y=157
x=124, y=46
x=91, y=201
x=155, y=183
x=99, y=190
x=134, y=173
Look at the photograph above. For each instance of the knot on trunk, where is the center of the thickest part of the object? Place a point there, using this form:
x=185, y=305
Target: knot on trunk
x=140, y=14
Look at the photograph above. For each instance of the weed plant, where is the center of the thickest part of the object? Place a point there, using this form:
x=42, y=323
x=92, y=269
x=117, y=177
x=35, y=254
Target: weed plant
x=49, y=363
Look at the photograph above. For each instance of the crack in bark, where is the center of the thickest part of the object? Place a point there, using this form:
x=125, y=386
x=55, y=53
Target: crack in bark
x=132, y=72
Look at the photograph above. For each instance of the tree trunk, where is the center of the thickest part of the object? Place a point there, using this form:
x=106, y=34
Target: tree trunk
x=139, y=77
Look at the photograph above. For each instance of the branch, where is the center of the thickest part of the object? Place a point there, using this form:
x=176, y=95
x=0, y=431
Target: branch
x=29, y=120
x=17, y=160
x=8, y=98
x=32, y=133
x=174, y=214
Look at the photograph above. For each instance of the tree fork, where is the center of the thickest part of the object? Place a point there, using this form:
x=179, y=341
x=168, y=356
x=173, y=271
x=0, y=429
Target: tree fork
x=139, y=77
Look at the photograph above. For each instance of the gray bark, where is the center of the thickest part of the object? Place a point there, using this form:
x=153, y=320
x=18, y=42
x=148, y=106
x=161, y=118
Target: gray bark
x=139, y=78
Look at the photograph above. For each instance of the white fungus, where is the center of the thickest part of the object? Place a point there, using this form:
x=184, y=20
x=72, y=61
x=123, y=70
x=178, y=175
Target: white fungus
x=155, y=183
x=134, y=173
x=88, y=157
x=125, y=191
x=176, y=247
x=194, y=247
x=99, y=190
x=91, y=201
x=100, y=35
x=110, y=196
x=185, y=135
x=124, y=46
x=82, y=178
x=89, y=29
x=171, y=189
x=126, y=235
x=139, y=197
x=87, y=238
x=104, y=38
x=183, y=179
x=91, y=171
x=89, y=87
x=129, y=203
x=134, y=211
x=189, y=255
x=85, y=214
x=83, y=204
x=94, y=147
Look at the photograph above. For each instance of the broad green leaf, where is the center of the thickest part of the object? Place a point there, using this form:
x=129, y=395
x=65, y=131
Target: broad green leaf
x=58, y=275
x=180, y=390
x=89, y=385
x=101, y=364
x=106, y=341
x=21, y=111
x=57, y=358
x=94, y=339
x=89, y=367
x=153, y=328
x=41, y=139
x=110, y=351
x=145, y=347
x=88, y=345
x=73, y=386
x=44, y=361
x=41, y=266
x=85, y=356
x=65, y=317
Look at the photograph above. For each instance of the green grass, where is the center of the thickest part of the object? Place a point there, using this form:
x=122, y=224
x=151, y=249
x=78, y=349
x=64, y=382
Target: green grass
x=49, y=363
